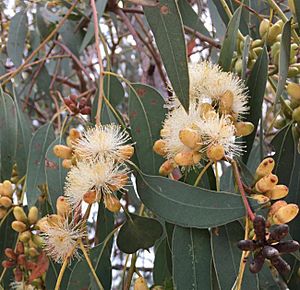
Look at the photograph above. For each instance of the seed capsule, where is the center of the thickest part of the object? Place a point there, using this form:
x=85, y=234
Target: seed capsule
x=19, y=214
x=276, y=206
x=159, y=147
x=265, y=167
x=215, y=152
x=63, y=207
x=286, y=213
x=187, y=158
x=270, y=252
x=281, y=265
x=278, y=232
x=90, y=196
x=112, y=203
x=62, y=151
x=259, y=225
x=18, y=226
x=266, y=183
x=287, y=246
x=5, y=201
x=33, y=215
x=247, y=245
x=257, y=263
x=278, y=192
x=243, y=128
x=126, y=152
x=167, y=167
x=140, y=284
x=190, y=138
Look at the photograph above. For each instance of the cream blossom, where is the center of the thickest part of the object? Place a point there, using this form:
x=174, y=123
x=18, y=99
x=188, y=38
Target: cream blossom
x=21, y=286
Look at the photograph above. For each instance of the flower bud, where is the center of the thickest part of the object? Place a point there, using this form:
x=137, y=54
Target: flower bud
x=8, y=264
x=266, y=183
x=126, y=151
x=38, y=240
x=62, y=151
x=247, y=245
x=273, y=32
x=257, y=263
x=33, y=252
x=280, y=122
x=190, y=138
x=33, y=215
x=119, y=181
x=112, y=203
x=270, y=252
x=90, y=196
x=187, y=158
x=9, y=253
x=7, y=188
x=18, y=226
x=20, y=215
x=278, y=232
x=259, y=225
x=67, y=163
x=63, y=207
x=293, y=90
x=265, y=167
x=159, y=147
x=3, y=212
x=281, y=265
x=21, y=260
x=54, y=220
x=257, y=43
x=140, y=284
x=260, y=198
x=285, y=214
x=215, y=152
x=42, y=224
x=164, y=132
x=292, y=72
x=20, y=248
x=296, y=114
x=25, y=236
x=74, y=134
x=243, y=129
x=264, y=27
x=204, y=109
x=287, y=246
x=86, y=110
x=278, y=192
x=167, y=167
x=226, y=102
x=5, y=201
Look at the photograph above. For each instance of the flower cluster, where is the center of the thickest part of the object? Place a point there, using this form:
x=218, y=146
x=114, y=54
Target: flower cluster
x=209, y=129
x=6, y=197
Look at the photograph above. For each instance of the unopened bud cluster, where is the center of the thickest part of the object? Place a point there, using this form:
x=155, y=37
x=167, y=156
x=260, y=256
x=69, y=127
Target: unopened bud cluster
x=269, y=245
x=267, y=189
x=76, y=106
x=6, y=197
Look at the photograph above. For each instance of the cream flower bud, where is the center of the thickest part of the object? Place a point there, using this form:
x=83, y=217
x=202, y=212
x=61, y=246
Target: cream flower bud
x=74, y=134
x=159, y=147
x=67, y=163
x=190, y=138
x=215, y=152
x=266, y=183
x=265, y=167
x=140, y=284
x=90, y=196
x=25, y=236
x=167, y=167
x=226, y=102
x=5, y=201
x=243, y=129
x=126, y=152
x=63, y=207
x=7, y=188
x=187, y=158
x=264, y=27
x=120, y=181
x=278, y=192
x=112, y=203
x=285, y=214
x=18, y=226
x=33, y=215
x=62, y=151
x=20, y=214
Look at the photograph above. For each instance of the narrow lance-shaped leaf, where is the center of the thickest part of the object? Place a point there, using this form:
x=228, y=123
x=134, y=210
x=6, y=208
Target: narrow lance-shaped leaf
x=8, y=134
x=191, y=259
x=189, y=206
x=36, y=161
x=16, y=37
x=166, y=25
x=229, y=42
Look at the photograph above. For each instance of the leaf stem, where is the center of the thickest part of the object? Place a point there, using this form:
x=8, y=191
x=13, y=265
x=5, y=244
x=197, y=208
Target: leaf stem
x=100, y=286
x=241, y=189
x=130, y=272
x=61, y=272
x=217, y=176
x=202, y=172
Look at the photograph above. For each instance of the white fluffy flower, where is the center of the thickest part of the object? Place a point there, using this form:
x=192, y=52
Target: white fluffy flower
x=61, y=240
x=21, y=286
x=217, y=130
x=208, y=81
x=101, y=141
x=102, y=176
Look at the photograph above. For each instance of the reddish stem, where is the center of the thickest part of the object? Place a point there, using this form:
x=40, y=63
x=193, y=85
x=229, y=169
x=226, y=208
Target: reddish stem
x=242, y=190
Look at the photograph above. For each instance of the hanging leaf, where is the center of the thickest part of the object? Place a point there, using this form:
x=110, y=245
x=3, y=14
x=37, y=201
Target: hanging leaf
x=189, y=206
x=146, y=114
x=191, y=259
x=16, y=37
x=8, y=134
x=36, y=176
x=229, y=43
x=166, y=25
x=138, y=233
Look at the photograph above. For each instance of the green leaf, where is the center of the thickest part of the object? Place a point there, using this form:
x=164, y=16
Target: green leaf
x=189, y=206
x=297, y=10
x=146, y=114
x=55, y=173
x=229, y=42
x=8, y=134
x=284, y=58
x=166, y=25
x=90, y=32
x=138, y=233
x=190, y=17
x=256, y=86
x=16, y=37
x=36, y=176
x=191, y=259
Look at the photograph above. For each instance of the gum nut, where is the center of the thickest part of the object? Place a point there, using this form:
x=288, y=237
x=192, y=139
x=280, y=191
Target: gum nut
x=112, y=203
x=265, y=167
x=263, y=27
x=266, y=183
x=276, y=206
x=226, y=101
x=296, y=114
x=159, y=147
x=7, y=188
x=293, y=90
x=215, y=152
x=18, y=226
x=260, y=198
x=63, y=207
x=19, y=214
x=167, y=167
x=126, y=151
x=190, y=138
x=5, y=201
x=67, y=163
x=286, y=213
x=278, y=192
x=62, y=151
x=140, y=284
x=33, y=215
x=90, y=196
x=243, y=129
